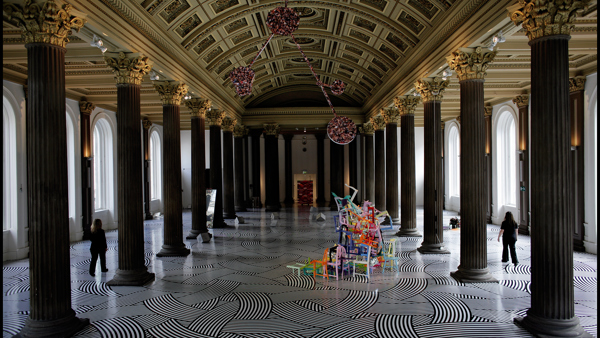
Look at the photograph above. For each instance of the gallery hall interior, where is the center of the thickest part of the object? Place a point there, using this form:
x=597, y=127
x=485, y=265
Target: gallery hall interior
x=301, y=169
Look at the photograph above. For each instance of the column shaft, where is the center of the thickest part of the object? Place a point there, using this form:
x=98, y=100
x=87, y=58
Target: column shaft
x=369, y=169
x=146, y=173
x=353, y=165
x=198, y=177
x=488, y=168
x=216, y=176
x=239, y=173
x=408, y=215
x=577, y=169
x=255, y=134
x=228, y=184
x=320, y=170
x=391, y=171
x=289, y=199
x=336, y=172
x=247, y=196
x=524, y=179
x=380, y=170
x=272, y=173
x=87, y=207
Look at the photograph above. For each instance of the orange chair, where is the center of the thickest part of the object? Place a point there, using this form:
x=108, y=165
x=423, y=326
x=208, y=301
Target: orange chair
x=322, y=264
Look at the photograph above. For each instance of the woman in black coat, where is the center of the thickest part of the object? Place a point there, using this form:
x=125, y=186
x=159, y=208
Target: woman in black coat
x=509, y=233
x=98, y=247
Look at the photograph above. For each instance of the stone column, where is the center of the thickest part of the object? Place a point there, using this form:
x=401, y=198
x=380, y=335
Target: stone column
x=146, y=124
x=443, y=183
x=368, y=130
x=272, y=167
x=289, y=185
x=408, y=216
x=255, y=134
x=353, y=166
x=87, y=204
x=228, y=185
x=576, y=88
x=320, y=169
x=238, y=147
x=336, y=172
x=247, y=196
x=470, y=66
x=379, y=126
x=171, y=93
x=548, y=26
x=488, y=162
x=392, y=118
x=214, y=118
x=522, y=102
x=129, y=69
x=198, y=108
x=47, y=182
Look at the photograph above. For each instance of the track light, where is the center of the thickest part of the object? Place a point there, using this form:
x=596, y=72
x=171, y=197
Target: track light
x=495, y=40
x=153, y=75
x=97, y=42
x=447, y=72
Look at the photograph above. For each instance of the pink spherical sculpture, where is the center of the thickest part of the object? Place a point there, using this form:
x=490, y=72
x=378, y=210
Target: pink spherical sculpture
x=341, y=130
x=242, y=77
x=283, y=21
x=338, y=87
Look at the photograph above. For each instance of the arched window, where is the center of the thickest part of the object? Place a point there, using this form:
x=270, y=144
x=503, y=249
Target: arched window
x=454, y=161
x=9, y=163
x=102, y=148
x=506, y=143
x=155, y=166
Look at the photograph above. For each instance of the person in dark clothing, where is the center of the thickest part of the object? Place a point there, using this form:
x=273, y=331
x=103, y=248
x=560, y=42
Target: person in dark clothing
x=98, y=247
x=508, y=231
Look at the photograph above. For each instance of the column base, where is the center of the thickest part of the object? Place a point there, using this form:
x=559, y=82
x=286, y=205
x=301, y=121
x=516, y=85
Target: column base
x=550, y=327
x=173, y=250
x=148, y=217
x=523, y=229
x=408, y=233
x=63, y=327
x=193, y=234
x=473, y=275
x=240, y=208
x=434, y=248
x=131, y=277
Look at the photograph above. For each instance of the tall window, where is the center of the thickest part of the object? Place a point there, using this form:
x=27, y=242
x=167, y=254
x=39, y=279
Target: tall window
x=102, y=148
x=155, y=166
x=454, y=161
x=9, y=163
x=506, y=141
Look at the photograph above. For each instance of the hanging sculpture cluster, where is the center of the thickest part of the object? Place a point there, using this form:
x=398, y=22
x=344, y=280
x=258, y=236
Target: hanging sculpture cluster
x=284, y=21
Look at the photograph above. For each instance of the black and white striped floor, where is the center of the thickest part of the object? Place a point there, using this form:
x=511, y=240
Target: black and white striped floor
x=238, y=285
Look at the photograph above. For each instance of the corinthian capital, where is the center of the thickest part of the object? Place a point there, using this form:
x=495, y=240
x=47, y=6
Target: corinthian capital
x=128, y=68
x=367, y=129
x=228, y=123
x=171, y=92
x=391, y=115
x=86, y=107
x=576, y=83
x=198, y=106
x=378, y=122
x=214, y=117
x=546, y=17
x=146, y=123
x=521, y=101
x=239, y=130
x=431, y=89
x=271, y=129
x=407, y=104
x=470, y=64
x=48, y=24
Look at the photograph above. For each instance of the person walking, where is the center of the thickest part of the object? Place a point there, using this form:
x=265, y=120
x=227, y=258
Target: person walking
x=98, y=247
x=508, y=231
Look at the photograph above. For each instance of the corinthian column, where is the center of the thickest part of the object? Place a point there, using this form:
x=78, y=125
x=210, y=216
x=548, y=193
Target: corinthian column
x=146, y=152
x=85, y=109
x=379, y=127
x=214, y=118
x=548, y=25
x=576, y=89
x=48, y=210
x=470, y=66
x=408, y=215
x=367, y=131
x=522, y=102
x=171, y=94
x=392, y=118
x=239, y=131
x=198, y=108
x=228, y=190
x=272, y=167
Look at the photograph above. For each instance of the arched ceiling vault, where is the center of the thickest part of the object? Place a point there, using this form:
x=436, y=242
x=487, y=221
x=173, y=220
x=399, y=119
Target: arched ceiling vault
x=379, y=48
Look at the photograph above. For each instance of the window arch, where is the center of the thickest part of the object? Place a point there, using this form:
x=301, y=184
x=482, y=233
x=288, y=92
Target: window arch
x=507, y=159
x=155, y=166
x=102, y=152
x=9, y=135
x=454, y=162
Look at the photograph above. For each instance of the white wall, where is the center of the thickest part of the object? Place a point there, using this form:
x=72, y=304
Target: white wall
x=590, y=240
x=186, y=168
x=452, y=202
x=420, y=164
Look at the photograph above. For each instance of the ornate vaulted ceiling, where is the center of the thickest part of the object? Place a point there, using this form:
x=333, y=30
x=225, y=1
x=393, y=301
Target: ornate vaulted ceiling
x=378, y=48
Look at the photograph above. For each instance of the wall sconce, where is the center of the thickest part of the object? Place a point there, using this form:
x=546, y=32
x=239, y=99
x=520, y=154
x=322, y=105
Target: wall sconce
x=97, y=42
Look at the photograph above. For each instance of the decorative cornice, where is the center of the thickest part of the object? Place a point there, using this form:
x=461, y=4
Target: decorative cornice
x=228, y=123
x=146, y=123
x=86, y=107
x=407, y=104
x=48, y=24
x=367, y=129
x=239, y=130
x=198, y=106
x=214, y=117
x=271, y=129
x=576, y=83
x=487, y=111
x=171, y=92
x=391, y=115
x=128, y=68
x=521, y=100
x=431, y=89
x=470, y=64
x=546, y=18
x=378, y=122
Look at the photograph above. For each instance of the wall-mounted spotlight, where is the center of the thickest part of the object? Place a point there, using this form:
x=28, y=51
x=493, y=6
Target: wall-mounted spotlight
x=447, y=72
x=305, y=129
x=495, y=40
x=97, y=42
x=153, y=75
x=187, y=97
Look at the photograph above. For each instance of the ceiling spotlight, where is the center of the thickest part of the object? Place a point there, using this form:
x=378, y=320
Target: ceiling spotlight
x=187, y=97
x=495, y=40
x=153, y=75
x=416, y=94
x=447, y=72
x=305, y=129
x=97, y=42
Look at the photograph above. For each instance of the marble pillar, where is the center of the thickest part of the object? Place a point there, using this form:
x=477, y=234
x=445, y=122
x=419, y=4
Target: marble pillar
x=367, y=131
x=171, y=94
x=320, y=169
x=552, y=311
x=255, y=143
x=470, y=66
x=146, y=124
x=238, y=173
x=228, y=184
x=50, y=312
x=214, y=118
x=576, y=103
x=522, y=102
x=87, y=188
x=289, y=185
x=272, y=202
x=379, y=126
x=392, y=118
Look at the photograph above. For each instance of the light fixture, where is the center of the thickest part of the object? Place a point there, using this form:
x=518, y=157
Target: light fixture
x=495, y=40
x=97, y=42
x=187, y=97
x=284, y=21
x=305, y=129
x=447, y=72
x=153, y=75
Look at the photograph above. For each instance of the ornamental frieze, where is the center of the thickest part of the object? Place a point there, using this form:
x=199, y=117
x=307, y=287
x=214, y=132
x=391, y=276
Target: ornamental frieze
x=171, y=92
x=469, y=64
x=128, y=68
x=431, y=89
x=407, y=104
x=198, y=107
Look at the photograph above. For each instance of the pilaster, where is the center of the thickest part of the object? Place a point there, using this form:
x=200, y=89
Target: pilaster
x=214, y=118
x=392, y=118
x=228, y=185
x=320, y=169
x=272, y=167
x=367, y=130
x=289, y=199
x=87, y=208
x=379, y=127
x=146, y=124
x=239, y=131
x=522, y=102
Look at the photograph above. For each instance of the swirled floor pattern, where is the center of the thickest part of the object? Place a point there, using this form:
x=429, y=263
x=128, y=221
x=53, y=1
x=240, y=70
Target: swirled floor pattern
x=238, y=285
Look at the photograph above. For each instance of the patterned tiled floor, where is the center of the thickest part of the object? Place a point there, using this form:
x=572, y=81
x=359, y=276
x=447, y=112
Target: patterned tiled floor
x=239, y=286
